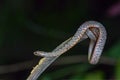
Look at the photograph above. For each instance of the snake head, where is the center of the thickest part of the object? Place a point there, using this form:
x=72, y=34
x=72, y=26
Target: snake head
x=40, y=53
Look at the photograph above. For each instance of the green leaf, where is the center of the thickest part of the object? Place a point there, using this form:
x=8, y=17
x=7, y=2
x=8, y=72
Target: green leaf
x=94, y=76
x=71, y=70
x=117, y=71
x=45, y=78
x=114, y=51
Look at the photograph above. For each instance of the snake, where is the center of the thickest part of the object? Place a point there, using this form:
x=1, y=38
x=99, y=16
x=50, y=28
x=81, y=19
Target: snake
x=93, y=30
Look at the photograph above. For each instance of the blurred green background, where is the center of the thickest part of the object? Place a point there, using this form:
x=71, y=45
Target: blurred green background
x=30, y=25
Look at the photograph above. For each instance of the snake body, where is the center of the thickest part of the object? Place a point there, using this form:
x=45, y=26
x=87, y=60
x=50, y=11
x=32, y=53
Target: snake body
x=90, y=29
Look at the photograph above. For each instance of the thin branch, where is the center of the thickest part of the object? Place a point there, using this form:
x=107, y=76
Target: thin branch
x=17, y=67
x=61, y=61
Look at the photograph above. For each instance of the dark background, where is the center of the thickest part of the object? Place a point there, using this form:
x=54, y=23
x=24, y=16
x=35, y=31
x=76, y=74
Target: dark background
x=30, y=25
